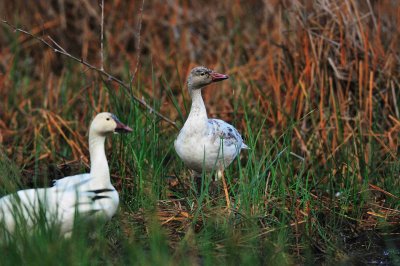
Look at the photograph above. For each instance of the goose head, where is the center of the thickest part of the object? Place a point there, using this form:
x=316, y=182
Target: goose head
x=107, y=123
x=200, y=77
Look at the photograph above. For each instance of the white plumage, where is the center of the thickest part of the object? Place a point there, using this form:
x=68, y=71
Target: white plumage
x=202, y=143
x=88, y=195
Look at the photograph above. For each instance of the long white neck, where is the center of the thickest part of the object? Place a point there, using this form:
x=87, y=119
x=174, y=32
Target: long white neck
x=198, y=114
x=98, y=160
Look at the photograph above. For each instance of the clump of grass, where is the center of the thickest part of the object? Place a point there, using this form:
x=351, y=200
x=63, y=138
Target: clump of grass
x=10, y=176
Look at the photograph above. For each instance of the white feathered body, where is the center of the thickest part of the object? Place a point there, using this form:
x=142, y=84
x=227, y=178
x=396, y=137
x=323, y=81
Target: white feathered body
x=212, y=149
x=70, y=197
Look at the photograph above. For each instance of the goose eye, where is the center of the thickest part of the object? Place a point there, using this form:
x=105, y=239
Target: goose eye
x=108, y=119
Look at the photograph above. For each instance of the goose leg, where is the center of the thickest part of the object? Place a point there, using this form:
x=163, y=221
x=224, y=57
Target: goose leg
x=220, y=175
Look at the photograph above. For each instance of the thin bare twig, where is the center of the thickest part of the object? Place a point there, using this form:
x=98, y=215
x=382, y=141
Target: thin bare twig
x=58, y=49
x=138, y=43
x=102, y=36
x=56, y=44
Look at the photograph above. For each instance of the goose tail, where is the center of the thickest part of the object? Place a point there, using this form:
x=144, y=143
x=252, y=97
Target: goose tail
x=244, y=147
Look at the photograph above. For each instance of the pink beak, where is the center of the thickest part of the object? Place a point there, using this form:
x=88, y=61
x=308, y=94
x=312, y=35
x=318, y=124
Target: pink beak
x=122, y=128
x=218, y=77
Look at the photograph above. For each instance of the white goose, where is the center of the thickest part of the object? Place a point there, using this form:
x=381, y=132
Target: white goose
x=90, y=195
x=206, y=144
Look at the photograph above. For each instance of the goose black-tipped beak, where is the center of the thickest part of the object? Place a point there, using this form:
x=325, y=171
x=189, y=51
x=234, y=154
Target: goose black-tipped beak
x=218, y=77
x=121, y=128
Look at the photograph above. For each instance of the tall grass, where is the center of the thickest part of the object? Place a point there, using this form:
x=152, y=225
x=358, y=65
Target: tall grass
x=313, y=88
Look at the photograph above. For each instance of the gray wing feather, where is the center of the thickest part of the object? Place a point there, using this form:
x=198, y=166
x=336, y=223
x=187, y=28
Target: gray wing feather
x=222, y=130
